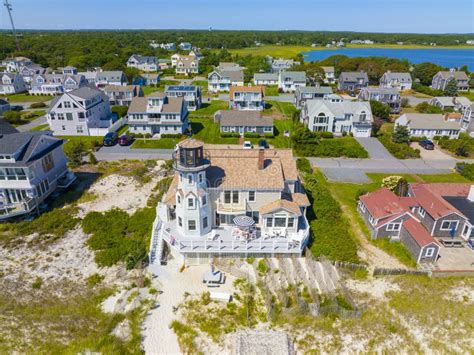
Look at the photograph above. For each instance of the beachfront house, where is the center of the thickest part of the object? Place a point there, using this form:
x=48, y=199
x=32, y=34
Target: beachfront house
x=232, y=202
x=32, y=167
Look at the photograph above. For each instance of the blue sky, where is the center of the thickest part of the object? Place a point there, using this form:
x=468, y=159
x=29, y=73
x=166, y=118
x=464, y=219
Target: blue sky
x=422, y=16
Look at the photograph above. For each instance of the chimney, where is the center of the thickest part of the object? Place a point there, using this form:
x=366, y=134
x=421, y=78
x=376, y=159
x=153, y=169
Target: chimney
x=470, y=197
x=261, y=158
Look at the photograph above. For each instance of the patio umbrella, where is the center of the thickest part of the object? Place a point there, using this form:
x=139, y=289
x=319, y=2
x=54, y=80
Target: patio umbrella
x=244, y=221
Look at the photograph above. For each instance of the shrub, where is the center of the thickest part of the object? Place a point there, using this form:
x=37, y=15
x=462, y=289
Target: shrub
x=466, y=170
x=37, y=283
x=425, y=107
x=269, y=135
x=304, y=165
x=94, y=280
x=262, y=267
x=230, y=135
x=360, y=193
x=399, y=151
x=329, y=230
x=380, y=109
x=121, y=111
x=170, y=135
x=38, y=105
x=92, y=159
x=426, y=90
x=463, y=146
x=119, y=237
x=13, y=117
x=251, y=135
x=327, y=135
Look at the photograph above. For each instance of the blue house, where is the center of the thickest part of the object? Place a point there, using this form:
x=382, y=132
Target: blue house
x=146, y=79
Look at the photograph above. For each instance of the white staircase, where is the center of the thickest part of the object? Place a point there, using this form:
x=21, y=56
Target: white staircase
x=156, y=245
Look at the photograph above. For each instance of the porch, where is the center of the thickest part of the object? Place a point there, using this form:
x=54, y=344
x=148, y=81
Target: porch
x=223, y=240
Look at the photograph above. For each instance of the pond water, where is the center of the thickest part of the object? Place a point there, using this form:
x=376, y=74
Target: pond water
x=446, y=57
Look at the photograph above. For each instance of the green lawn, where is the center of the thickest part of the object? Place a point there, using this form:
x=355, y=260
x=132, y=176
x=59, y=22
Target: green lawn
x=122, y=130
x=278, y=109
x=208, y=109
x=26, y=98
x=42, y=127
x=147, y=90
x=202, y=84
x=87, y=140
x=163, y=143
x=469, y=95
x=271, y=90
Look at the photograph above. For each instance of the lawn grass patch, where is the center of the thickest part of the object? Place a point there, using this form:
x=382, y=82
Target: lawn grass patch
x=43, y=127
x=288, y=51
x=208, y=109
x=396, y=249
x=278, y=109
x=272, y=90
x=203, y=84
x=15, y=98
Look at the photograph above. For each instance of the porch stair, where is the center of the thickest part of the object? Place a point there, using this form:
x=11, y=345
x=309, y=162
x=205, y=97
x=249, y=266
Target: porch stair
x=156, y=246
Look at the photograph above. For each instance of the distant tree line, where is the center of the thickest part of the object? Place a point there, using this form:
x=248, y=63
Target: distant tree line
x=111, y=49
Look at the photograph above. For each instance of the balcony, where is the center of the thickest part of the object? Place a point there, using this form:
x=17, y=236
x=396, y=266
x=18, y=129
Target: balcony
x=14, y=209
x=229, y=208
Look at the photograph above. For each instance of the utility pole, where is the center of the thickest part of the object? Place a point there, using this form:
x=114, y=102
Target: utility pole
x=10, y=9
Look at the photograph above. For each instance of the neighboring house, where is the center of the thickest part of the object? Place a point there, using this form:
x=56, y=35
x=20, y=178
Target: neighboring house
x=32, y=167
x=4, y=106
x=151, y=79
x=196, y=52
x=303, y=94
x=399, y=81
x=441, y=79
x=390, y=97
x=191, y=94
x=451, y=103
x=11, y=83
x=143, y=63
x=14, y=64
x=265, y=79
x=81, y=112
x=168, y=46
x=431, y=125
x=429, y=216
x=185, y=46
x=174, y=59
x=229, y=66
x=243, y=122
x=158, y=114
x=187, y=65
x=289, y=81
x=247, y=98
x=352, y=81
x=69, y=70
x=214, y=189
x=220, y=80
x=164, y=64
x=56, y=84
x=29, y=71
x=329, y=75
x=122, y=95
x=338, y=117
x=104, y=78
x=283, y=64
x=467, y=121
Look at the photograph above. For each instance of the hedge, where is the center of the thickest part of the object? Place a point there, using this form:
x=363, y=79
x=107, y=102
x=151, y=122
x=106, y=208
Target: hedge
x=398, y=150
x=466, y=170
x=230, y=135
x=463, y=146
x=251, y=135
x=171, y=135
x=330, y=231
x=38, y=105
x=332, y=148
x=303, y=165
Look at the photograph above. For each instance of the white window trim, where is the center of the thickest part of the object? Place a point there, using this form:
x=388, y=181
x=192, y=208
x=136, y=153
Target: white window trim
x=362, y=206
x=193, y=205
x=421, y=211
x=393, y=227
x=448, y=229
x=465, y=232
x=429, y=252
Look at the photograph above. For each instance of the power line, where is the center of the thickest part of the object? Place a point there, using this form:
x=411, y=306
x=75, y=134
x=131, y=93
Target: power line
x=10, y=9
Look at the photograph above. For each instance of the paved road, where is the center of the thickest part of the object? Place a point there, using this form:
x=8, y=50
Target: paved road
x=375, y=149
x=35, y=123
x=118, y=152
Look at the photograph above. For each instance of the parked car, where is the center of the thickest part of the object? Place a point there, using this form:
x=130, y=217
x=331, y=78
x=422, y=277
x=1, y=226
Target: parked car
x=247, y=145
x=427, y=144
x=262, y=143
x=125, y=140
x=110, y=139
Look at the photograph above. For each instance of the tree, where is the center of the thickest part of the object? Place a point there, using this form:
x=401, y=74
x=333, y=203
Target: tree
x=121, y=111
x=401, y=135
x=425, y=72
x=425, y=107
x=376, y=125
x=12, y=117
x=76, y=152
x=451, y=88
x=379, y=109
x=92, y=159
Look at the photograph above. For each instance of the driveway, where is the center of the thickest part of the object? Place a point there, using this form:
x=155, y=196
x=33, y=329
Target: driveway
x=375, y=149
x=35, y=123
x=118, y=152
x=435, y=154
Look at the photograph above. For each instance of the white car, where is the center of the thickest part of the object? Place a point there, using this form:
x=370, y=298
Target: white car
x=247, y=145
